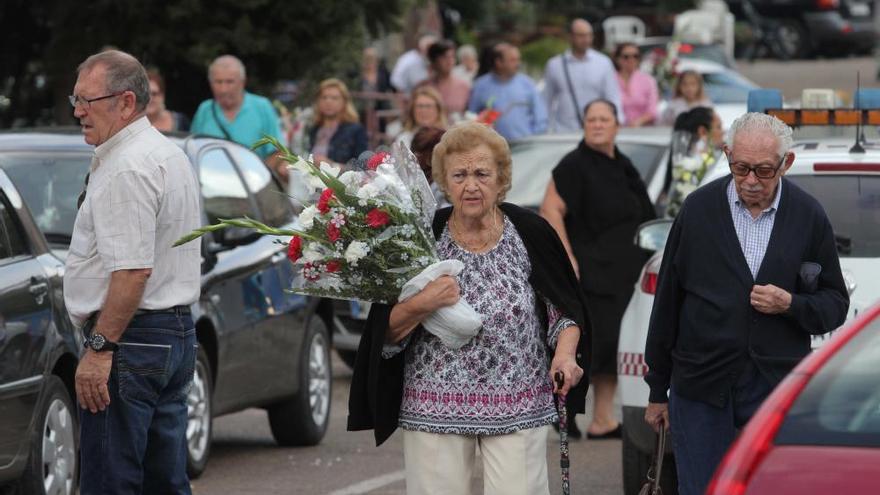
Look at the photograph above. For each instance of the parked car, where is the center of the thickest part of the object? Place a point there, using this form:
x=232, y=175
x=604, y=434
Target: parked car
x=848, y=187
x=259, y=346
x=726, y=88
x=808, y=27
x=39, y=351
x=535, y=157
x=819, y=431
x=712, y=52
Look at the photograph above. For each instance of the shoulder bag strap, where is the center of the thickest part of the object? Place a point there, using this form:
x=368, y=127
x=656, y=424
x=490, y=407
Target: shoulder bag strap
x=219, y=122
x=577, y=108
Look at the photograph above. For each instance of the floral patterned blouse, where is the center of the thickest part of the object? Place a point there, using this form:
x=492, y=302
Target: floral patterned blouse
x=498, y=383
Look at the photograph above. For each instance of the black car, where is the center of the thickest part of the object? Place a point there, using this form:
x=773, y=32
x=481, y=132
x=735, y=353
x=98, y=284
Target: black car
x=39, y=350
x=809, y=27
x=259, y=345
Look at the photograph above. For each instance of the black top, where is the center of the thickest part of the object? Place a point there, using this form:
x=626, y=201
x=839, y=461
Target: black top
x=703, y=327
x=377, y=383
x=605, y=201
x=347, y=143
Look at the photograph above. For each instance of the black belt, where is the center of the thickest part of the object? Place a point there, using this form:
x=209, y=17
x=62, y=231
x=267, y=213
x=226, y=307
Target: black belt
x=174, y=310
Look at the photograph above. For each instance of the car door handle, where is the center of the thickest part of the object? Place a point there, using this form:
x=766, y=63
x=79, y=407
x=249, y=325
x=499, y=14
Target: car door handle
x=39, y=288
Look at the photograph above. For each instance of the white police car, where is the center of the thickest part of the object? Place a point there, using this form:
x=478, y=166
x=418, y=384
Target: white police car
x=844, y=180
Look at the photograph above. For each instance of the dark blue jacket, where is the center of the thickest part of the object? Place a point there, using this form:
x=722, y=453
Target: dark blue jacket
x=348, y=142
x=703, y=327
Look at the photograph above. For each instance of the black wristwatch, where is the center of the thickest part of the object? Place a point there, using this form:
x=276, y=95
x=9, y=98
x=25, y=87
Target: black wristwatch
x=99, y=343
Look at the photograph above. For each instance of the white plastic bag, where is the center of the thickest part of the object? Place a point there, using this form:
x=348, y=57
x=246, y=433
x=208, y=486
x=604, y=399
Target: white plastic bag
x=455, y=325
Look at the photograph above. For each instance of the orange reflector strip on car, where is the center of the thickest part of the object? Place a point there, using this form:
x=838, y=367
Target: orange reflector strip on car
x=787, y=116
x=847, y=117
x=815, y=117
x=846, y=167
x=835, y=116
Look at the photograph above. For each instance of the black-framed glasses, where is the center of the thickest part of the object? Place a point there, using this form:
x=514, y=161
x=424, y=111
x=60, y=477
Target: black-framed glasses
x=86, y=103
x=761, y=171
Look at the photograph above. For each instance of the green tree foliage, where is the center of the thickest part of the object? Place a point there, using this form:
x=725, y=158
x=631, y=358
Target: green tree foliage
x=290, y=39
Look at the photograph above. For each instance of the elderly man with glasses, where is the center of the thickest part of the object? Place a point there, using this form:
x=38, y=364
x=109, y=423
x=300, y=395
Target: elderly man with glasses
x=749, y=273
x=128, y=290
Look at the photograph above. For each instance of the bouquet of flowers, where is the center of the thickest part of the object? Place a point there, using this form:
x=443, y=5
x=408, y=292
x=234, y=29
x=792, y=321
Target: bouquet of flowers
x=691, y=159
x=365, y=234
x=663, y=65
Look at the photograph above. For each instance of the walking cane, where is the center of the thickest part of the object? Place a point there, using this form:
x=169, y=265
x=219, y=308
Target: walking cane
x=563, y=435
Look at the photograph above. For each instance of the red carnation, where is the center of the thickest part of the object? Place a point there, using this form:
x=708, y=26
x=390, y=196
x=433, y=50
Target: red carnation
x=324, y=201
x=332, y=232
x=333, y=266
x=376, y=160
x=294, y=248
x=377, y=218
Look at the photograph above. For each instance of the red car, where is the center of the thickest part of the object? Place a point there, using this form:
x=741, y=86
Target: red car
x=819, y=431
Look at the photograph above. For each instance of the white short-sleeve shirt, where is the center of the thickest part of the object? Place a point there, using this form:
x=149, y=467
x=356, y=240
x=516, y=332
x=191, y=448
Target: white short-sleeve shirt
x=142, y=196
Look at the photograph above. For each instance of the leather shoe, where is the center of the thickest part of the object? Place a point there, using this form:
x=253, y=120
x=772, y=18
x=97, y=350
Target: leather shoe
x=615, y=433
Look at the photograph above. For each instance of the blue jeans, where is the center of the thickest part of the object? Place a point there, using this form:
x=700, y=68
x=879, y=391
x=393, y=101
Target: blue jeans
x=137, y=445
x=702, y=433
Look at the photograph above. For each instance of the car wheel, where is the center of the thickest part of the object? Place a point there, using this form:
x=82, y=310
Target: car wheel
x=303, y=419
x=52, y=465
x=793, y=39
x=348, y=357
x=199, y=420
x=635, y=469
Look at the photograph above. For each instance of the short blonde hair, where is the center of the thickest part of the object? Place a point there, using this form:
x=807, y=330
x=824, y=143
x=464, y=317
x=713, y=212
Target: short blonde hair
x=349, y=114
x=430, y=92
x=466, y=136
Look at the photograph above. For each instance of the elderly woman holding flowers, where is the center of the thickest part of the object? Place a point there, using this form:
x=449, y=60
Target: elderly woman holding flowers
x=495, y=392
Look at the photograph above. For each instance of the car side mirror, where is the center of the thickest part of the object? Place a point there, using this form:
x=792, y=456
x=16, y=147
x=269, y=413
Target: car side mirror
x=210, y=249
x=652, y=235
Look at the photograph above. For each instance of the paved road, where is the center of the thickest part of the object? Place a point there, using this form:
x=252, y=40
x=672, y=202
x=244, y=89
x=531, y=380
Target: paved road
x=246, y=461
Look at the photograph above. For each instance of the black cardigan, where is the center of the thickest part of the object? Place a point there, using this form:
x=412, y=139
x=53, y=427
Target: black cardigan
x=377, y=383
x=347, y=143
x=703, y=327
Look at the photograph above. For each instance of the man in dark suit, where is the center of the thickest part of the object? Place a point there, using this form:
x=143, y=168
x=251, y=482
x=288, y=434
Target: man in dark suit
x=749, y=272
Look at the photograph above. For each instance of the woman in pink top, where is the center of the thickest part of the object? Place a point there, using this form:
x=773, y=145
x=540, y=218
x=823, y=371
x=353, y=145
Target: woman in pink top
x=638, y=90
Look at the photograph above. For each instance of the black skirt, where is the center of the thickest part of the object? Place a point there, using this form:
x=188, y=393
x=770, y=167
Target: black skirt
x=606, y=311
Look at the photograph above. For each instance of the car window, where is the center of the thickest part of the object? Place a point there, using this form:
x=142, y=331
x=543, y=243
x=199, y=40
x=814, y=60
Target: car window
x=841, y=404
x=645, y=157
x=12, y=241
x=727, y=87
x=49, y=184
x=222, y=189
x=852, y=203
x=271, y=199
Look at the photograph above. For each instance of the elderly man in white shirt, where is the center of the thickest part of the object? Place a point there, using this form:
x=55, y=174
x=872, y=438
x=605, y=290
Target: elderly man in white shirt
x=129, y=290
x=575, y=78
x=412, y=67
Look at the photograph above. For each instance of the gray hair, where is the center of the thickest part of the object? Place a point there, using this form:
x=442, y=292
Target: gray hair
x=123, y=73
x=228, y=61
x=466, y=51
x=759, y=122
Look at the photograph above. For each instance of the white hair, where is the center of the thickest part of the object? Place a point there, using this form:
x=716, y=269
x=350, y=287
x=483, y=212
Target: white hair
x=228, y=61
x=762, y=123
x=466, y=51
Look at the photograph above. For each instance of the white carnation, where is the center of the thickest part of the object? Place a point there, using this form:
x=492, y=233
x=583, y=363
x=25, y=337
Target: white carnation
x=355, y=251
x=312, y=253
x=368, y=191
x=690, y=163
x=307, y=216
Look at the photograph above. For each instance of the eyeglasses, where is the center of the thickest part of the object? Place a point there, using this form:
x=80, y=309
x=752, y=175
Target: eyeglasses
x=761, y=171
x=628, y=56
x=86, y=103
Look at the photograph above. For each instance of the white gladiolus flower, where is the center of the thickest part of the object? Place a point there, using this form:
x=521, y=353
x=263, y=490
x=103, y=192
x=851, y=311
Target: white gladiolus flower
x=355, y=251
x=307, y=216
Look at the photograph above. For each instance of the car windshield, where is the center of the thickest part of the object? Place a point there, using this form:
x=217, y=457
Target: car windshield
x=852, y=203
x=841, y=404
x=536, y=160
x=727, y=87
x=49, y=183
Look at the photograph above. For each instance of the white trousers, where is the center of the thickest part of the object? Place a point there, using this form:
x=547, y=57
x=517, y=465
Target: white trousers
x=514, y=464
